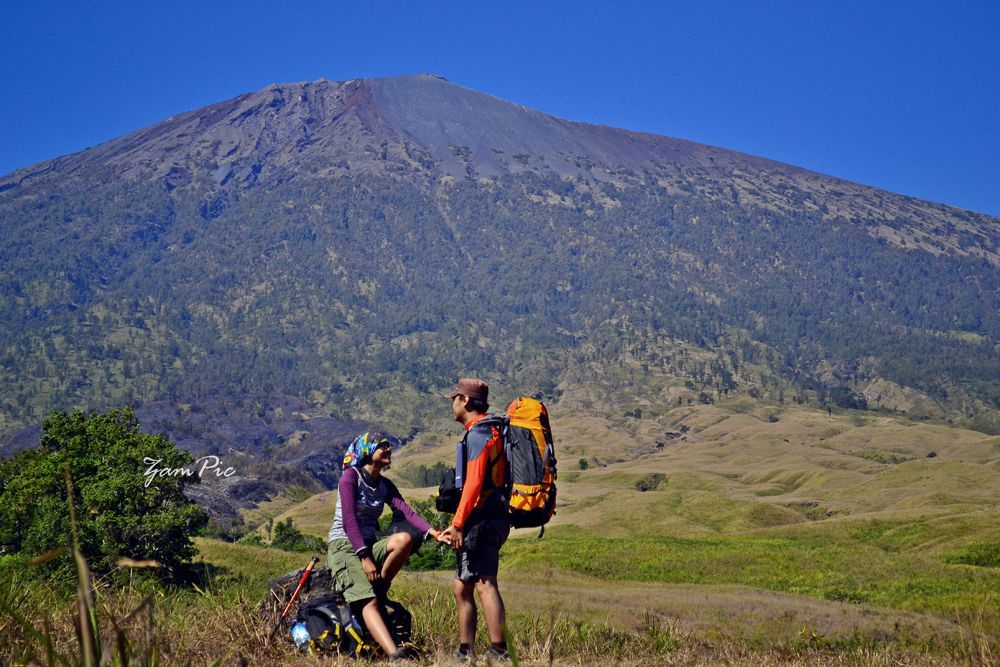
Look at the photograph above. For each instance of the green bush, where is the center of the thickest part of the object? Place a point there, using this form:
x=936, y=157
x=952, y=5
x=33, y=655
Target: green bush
x=290, y=538
x=252, y=539
x=120, y=512
x=650, y=482
x=422, y=475
x=429, y=555
x=844, y=397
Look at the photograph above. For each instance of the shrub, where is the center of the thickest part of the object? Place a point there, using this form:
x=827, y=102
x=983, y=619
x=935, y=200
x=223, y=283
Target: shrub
x=252, y=539
x=430, y=555
x=983, y=554
x=650, y=482
x=290, y=538
x=846, y=595
x=844, y=397
x=422, y=475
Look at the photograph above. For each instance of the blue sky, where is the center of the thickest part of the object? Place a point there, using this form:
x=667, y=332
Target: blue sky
x=900, y=95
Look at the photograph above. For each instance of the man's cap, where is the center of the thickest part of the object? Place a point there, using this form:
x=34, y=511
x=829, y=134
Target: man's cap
x=471, y=387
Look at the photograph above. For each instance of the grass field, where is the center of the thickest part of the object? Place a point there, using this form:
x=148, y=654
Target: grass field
x=736, y=533
x=757, y=525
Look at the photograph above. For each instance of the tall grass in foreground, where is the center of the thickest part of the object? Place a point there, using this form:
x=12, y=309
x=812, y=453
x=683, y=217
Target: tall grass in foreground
x=215, y=626
x=118, y=620
x=222, y=626
x=90, y=647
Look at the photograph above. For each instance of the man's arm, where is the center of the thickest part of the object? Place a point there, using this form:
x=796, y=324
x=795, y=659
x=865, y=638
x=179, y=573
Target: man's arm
x=480, y=442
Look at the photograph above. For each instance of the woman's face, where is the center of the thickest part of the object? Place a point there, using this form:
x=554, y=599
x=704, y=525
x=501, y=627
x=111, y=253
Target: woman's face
x=382, y=456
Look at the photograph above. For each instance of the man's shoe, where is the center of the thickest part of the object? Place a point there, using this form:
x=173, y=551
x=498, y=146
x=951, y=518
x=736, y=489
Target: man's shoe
x=465, y=657
x=496, y=656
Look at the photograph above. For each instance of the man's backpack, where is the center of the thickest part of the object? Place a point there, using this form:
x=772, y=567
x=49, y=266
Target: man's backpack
x=531, y=466
x=531, y=463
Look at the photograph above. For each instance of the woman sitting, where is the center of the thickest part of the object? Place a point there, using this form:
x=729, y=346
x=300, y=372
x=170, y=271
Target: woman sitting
x=360, y=564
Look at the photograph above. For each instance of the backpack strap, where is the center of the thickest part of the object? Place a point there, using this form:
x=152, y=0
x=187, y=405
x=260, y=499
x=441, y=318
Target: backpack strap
x=502, y=424
x=508, y=475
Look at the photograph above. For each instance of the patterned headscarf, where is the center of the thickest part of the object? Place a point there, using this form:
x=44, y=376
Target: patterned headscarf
x=363, y=447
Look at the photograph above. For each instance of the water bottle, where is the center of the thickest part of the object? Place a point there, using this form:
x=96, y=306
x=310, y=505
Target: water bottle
x=300, y=635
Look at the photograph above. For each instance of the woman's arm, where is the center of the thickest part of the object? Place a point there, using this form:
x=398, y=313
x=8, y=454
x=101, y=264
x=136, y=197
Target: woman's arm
x=348, y=490
x=396, y=501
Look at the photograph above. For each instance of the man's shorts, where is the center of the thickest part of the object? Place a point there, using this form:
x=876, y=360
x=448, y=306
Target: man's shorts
x=480, y=555
x=346, y=572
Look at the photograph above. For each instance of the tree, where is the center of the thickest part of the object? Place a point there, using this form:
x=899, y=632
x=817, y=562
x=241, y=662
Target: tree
x=120, y=510
x=844, y=397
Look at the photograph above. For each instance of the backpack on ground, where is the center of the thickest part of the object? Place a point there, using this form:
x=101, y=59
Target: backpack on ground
x=334, y=629
x=531, y=463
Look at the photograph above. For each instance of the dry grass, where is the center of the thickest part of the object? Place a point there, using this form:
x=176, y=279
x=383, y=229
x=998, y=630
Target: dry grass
x=221, y=625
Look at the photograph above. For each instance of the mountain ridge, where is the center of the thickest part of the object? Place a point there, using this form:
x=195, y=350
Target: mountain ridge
x=232, y=246
x=425, y=125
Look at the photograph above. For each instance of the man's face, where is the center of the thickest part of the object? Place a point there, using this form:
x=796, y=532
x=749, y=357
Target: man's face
x=458, y=402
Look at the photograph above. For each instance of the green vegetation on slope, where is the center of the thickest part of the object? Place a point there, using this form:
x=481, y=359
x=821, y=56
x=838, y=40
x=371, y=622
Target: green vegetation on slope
x=347, y=291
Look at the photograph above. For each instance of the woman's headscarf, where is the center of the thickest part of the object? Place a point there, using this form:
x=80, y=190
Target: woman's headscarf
x=362, y=448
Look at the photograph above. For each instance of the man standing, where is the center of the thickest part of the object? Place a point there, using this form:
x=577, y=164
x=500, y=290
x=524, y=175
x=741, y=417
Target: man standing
x=480, y=526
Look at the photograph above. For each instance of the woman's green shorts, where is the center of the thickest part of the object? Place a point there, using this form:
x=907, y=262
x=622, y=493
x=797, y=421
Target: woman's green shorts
x=346, y=572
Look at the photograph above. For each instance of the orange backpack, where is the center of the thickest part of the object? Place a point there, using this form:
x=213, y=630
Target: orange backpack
x=531, y=463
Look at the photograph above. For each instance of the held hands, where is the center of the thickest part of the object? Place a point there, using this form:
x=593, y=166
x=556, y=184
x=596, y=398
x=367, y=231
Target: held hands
x=439, y=536
x=452, y=537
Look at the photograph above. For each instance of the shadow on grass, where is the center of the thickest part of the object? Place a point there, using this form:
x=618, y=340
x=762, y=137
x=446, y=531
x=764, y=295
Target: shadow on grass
x=202, y=575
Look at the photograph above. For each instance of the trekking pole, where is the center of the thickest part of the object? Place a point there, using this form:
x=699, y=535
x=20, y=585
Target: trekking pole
x=295, y=595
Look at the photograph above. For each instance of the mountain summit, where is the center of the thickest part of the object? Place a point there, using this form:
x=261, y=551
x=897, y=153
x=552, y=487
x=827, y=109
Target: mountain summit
x=353, y=242
x=425, y=125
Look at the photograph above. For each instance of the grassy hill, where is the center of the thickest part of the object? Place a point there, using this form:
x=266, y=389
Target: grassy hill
x=753, y=524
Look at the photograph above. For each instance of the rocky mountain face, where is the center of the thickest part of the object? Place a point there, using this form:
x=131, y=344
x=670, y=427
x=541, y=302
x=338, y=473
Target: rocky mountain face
x=360, y=244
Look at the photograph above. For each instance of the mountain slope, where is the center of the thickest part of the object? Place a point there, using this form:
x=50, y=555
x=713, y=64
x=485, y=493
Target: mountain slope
x=361, y=243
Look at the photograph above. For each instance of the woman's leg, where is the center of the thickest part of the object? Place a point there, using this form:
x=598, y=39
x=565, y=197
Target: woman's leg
x=376, y=626
x=397, y=553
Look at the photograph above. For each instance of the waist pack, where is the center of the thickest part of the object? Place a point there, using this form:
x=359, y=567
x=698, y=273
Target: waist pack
x=448, y=494
x=530, y=488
